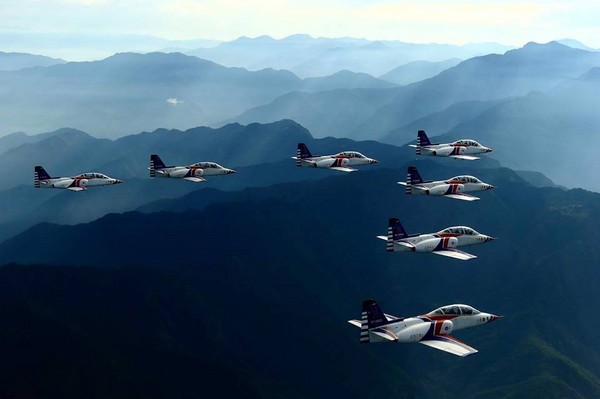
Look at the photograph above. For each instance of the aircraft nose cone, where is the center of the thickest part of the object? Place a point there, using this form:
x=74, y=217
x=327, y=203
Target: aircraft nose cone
x=488, y=150
x=489, y=187
x=117, y=181
x=493, y=317
x=374, y=161
x=488, y=238
x=230, y=171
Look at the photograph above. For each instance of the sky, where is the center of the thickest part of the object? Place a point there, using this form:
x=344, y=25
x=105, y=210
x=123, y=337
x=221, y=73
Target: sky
x=421, y=21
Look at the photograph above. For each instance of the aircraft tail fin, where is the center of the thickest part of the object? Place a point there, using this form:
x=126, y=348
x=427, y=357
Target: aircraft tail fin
x=155, y=163
x=302, y=153
x=395, y=232
x=371, y=317
x=422, y=140
x=412, y=177
x=39, y=174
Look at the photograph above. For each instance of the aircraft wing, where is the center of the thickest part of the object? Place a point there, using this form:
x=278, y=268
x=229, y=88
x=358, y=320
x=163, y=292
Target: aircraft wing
x=342, y=169
x=76, y=188
x=464, y=157
x=194, y=179
x=454, y=253
x=464, y=197
x=449, y=344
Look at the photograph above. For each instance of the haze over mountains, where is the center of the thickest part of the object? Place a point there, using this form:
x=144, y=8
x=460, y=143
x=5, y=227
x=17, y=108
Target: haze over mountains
x=307, y=56
x=241, y=286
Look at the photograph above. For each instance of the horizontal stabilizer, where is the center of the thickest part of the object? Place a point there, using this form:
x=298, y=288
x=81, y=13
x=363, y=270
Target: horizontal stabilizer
x=412, y=145
x=194, y=179
x=342, y=169
x=389, y=317
x=76, y=188
x=464, y=157
x=355, y=323
x=418, y=188
x=402, y=183
x=385, y=334
x=463, y=197
x=449, y=344
x=454, y=253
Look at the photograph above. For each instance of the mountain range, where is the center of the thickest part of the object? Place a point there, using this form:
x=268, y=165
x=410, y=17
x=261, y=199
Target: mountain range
x=293, y=278
x=128, y=93
x=311, y=57
x=260, y=153
x=16, y=61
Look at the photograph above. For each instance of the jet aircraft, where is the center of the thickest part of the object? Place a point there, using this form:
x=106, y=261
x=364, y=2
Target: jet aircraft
x=341, y=161
x=432, y=329
x=443, y=242
x=459, y=149
x=195, y=173
x=455, y=187
x=80, y=182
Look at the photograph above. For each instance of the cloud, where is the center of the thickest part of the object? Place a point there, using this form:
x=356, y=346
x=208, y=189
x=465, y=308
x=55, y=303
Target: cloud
x=174, y=101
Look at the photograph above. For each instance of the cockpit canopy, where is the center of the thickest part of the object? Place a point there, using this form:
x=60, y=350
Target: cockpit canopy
x=462, y=230
x=350, y=154
x=454, y=310
x=466, y=179
x=467, y=142
x=207, y=165
x=93, y=176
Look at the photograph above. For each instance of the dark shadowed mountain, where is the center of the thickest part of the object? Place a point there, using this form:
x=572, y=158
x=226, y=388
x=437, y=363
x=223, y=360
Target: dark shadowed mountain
x=16, y=61
x=374, y=113
x=260, y=154
x=311, y=57
x=418, y=70
x=265, y=286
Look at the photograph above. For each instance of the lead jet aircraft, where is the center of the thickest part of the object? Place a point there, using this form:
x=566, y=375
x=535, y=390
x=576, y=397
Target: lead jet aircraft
x=455, y=187
x=194, y=172
x=432, y=329
x=443, y=242
x=41, y=179
x=459, y=149
x=340, y=161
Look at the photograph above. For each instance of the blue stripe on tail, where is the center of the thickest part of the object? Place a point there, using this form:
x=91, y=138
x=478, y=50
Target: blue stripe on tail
x=422, y=139
x=303, y=151
x=412, y=177
x=375, y=317
x=42, y=174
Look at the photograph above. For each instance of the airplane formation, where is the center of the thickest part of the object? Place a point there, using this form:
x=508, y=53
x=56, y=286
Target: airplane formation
x=432, y=329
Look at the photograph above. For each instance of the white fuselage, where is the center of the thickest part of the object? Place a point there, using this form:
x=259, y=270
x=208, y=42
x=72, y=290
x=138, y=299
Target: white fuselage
x=77, y=182
x=453, y=149
x=341, y=159
x=437, y=241
x=191, y=171
x=445, y=187
x=415, y=329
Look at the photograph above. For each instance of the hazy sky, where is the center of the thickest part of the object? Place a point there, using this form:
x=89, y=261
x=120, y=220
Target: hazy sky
x=457, y=22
